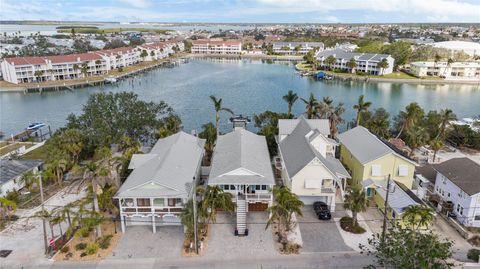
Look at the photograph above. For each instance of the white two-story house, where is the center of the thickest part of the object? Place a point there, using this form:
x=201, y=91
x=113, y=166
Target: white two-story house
x=309, y=166
x=458, y=181
x=161, y=182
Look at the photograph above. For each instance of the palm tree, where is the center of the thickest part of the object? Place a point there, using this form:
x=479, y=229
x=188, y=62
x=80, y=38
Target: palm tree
x=210, y=135
x=436, y=144
x=187, y=218
x=311, y=106
x=446, y=116
x=438, y=58
x=84, y=69
x=383, y=64
x=290, y=98
x=59, y=166
x=285, y=204
x=335, y=118
x=352, y=64
x=217, y=103
x=417, y=216
x=171, y=125
x=355, y=201
x=450, y=61
x=38, y=75
x=416, y=137
x=331, y=60
x=7, y=208
x=75, y=68
x=361, y=107
x=214, y=199
x=410, y=117
x=143, y=54
x=325, y=107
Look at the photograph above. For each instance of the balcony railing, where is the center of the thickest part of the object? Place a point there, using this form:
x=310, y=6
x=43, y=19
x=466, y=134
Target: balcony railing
x=134, y=210
x=259, y=196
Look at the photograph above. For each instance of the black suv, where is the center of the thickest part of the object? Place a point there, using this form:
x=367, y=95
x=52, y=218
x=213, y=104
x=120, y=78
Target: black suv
x=321, y=210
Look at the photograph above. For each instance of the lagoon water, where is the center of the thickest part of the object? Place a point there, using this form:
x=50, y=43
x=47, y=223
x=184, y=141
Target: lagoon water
x=246, y=86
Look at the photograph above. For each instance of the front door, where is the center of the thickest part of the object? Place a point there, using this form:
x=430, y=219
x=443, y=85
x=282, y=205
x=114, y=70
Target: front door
x=369, y=192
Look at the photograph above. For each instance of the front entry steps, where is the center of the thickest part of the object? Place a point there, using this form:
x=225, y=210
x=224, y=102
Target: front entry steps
x=241, y=229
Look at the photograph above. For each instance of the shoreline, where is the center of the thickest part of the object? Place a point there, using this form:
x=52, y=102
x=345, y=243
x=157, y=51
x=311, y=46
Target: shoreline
x=95, y=81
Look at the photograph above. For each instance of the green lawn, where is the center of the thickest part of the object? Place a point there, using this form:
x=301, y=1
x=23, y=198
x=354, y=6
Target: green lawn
x=400, y=75
x=80, y=30
x=36, y=154
x=6, y=149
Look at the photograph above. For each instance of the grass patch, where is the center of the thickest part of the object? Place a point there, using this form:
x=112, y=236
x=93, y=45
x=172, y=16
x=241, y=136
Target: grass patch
x=36, y=154
x=6, y=149
x=347, y=225
x=399, y=75
x=89, y=30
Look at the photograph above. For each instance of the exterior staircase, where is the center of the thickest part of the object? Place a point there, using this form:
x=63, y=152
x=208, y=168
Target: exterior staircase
x=241, y=216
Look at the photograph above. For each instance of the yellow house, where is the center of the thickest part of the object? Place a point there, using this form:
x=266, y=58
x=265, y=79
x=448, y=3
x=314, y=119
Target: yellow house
x=371, y=161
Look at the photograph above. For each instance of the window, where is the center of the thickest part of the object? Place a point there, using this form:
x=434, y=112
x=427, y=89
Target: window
x=159, y=202
x=127, y=202
x=143, y=202
x=403, y=170
x=264, y=187
x=171, y=201
x=232, y=187
x=226, y=187
x=257, y=187
x=376, y=170
x=448, y=194
x=458, y=207
x=461, y=210
x=477, y=217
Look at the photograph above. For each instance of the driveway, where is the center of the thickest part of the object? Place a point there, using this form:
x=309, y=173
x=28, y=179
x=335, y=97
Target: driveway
x=320, y=235
x=140, y=242
x=223, y=244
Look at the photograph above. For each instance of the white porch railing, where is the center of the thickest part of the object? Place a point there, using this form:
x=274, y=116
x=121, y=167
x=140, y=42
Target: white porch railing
x=147, y=210
x=258, y=196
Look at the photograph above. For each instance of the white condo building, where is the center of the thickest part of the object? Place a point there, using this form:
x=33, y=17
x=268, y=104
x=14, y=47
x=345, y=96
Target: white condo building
x=460, y=70
x=291, y=48
x=205, y=46
x=366, y=62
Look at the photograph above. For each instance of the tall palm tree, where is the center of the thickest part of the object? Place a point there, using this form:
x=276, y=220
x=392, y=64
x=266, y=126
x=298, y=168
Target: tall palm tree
x=383, y=64
x=410, y=117
x=330, y=61
x=450, y=61
x=210, y=135
x=217, y=103
x=417, y=216
x=290, y=98
x=352, y=64
x=214, y=199
x=355, y=201
x=311, y=106
x=325, y=107
x=416, y=137
x=436, y=144
x=446, y=116
x=58, y=167
x=335, y=118
x=171, y=125
x=361, y=107
x=285, y=204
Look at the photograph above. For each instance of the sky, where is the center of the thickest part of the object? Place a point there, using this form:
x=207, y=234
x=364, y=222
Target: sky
x=231, y=11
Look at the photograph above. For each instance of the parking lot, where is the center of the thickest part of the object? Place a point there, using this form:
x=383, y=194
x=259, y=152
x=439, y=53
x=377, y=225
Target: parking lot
x=320, y=235
x=140, y=242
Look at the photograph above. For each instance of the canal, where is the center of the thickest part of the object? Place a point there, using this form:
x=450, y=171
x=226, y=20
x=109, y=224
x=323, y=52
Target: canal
x=246, y=86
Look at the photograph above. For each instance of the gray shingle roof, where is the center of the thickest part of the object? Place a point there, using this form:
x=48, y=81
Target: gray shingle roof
x=243, y=150
x=463, y=172
x=347, y=55
x=11, y=169
x=286, y=126
x=364, y=145
x=169, y=169
x=297, y=152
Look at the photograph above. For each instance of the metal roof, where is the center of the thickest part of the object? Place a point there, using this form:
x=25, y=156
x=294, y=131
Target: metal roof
x=286, y=126
x=11, y=169
x=168, y=169
x=241, y=157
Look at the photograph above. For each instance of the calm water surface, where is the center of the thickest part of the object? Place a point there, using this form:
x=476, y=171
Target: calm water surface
x=246, y=86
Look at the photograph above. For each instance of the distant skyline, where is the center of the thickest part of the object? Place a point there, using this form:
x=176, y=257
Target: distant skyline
x=236, y=11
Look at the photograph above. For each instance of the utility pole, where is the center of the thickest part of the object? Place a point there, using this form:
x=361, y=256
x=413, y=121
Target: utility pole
x=43, y=219
x=384, y=228
x=195, y=238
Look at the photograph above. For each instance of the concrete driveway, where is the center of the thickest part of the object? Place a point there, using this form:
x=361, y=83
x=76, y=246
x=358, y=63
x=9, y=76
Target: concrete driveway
x=140, y=242
x=223, y=244
x=320, y=235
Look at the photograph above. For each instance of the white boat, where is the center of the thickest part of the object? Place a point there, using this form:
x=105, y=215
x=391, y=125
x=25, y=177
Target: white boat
x=110, y=79
x=35, y=126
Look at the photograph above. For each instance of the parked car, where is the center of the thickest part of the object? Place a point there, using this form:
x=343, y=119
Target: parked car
x=322, y=211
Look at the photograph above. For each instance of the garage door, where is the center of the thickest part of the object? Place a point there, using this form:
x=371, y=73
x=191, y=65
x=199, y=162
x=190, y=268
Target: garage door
x=309, y=200
x=257, y=207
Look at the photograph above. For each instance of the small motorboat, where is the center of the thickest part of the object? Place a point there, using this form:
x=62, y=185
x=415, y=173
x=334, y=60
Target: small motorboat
x=35, y=126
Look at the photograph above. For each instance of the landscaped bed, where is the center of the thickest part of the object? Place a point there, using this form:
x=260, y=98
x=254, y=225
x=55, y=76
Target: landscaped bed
x=347, y=225
x=188, y=250
x=84, y=249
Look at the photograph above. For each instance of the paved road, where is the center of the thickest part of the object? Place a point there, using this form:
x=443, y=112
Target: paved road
x=302, y=261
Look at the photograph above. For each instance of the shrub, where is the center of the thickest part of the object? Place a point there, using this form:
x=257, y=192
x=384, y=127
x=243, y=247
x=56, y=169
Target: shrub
x=65, y=249
x=291, y=248
x=120, y=69
x=69, y=255
x=91, y=249
x=83, y=254
x=104, y=241
x=80, y=246
x=347, y=225
x=475, y=241
x=473, y=254
x=13, y=196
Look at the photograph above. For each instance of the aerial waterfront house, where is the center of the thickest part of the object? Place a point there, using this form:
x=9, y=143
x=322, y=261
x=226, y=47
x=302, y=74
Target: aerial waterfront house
x=120, y=57
x=241, y=166
x=160, y=50
x=368, y=157
x=11, y=172
x=458, y=181
x=309, y=166
x=456, y=70
x=161, y=182
x=292, y=48
x=205, y=46
x=366, y=62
